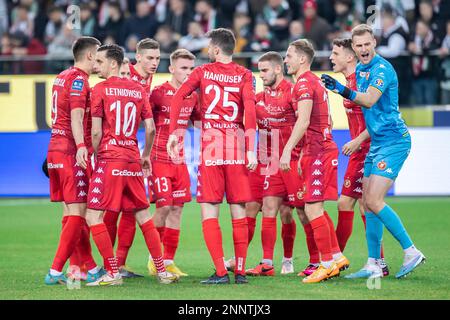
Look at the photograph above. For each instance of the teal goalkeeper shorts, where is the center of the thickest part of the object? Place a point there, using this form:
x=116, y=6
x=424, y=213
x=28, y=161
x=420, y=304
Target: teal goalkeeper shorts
x=387, y=161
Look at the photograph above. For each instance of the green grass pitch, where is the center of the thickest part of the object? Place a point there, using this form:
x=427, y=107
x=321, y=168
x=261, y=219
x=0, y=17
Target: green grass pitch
x=29, y=231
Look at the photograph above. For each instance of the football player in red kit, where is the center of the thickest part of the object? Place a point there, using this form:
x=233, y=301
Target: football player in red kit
x=147, y=61
x=343, y=59
x=170, y=182
x=118, y=105
x=318, y=164
x=275, y=117
x=227, y=94
x=70, y=141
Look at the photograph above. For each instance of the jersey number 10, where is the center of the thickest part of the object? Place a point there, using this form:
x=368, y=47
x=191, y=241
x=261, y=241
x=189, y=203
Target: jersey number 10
x=129, y=118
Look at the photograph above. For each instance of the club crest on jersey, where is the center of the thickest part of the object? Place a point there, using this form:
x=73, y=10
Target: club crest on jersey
x=347, y=183
x=379, y=83
x=300, y=195
x=78, y=85
x=381, y=165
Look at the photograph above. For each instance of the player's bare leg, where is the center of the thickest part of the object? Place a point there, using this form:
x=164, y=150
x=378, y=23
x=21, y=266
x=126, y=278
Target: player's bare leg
x=213, y=240
x=321, y=229
x=94, y=219
x=288, y=232
x=74, y=214
x=240, y=240
x=314, y=256
x=171, y=239
x=153, y=243
x=382, y=214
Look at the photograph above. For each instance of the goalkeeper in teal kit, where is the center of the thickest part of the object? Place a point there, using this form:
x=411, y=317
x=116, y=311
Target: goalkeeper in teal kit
x=377, y=93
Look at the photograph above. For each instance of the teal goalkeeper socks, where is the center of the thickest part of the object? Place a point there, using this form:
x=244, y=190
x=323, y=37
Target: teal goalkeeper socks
x=374, y=235
x=393, y=223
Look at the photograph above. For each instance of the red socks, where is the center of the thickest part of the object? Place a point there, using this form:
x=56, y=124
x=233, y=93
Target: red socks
x=170, y=242
x=153, y=242
x=84, y=248
x=288, y=232
x=104, y=245
x=344, y=228
x=251, y=222
x=161, y=232
x=110, y=220
x=314, y=256
x=321, y=231
x=213, y=240
x=126, y=233
x=70, y=236
x=240, y=239
x=333, y=238
x=268, y=236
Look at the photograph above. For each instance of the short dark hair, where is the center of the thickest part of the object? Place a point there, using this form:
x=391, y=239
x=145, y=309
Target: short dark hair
x=147, y=43
x=272, y=56
x=224, y=39
x=114, y=52
x=345, y=43
x=82, y=44
x=305, y=47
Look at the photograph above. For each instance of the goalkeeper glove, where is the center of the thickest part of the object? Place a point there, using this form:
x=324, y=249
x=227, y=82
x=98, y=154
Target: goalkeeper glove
x=335, y=86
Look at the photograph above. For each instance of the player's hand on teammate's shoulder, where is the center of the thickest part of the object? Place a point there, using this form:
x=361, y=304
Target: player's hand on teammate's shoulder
x=82, y=157
x=252, y=161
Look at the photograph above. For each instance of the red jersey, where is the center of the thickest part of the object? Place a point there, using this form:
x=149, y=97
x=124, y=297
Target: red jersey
x=226, y=94
x=121, y=103
x=275, y=110
x=160, y=101
x=70, y=91
x=318, y=135
x=136, y=77
x=355, y=116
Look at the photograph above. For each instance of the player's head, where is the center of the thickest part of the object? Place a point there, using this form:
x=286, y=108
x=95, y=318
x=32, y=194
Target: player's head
x=148, y=55
x=270, y=66
x=125, y=68
x=222, y=42
x=84, y=50
x=181, y=64
x=363, y=43
x=108, y=60
x=342, y=54
x=299, y=55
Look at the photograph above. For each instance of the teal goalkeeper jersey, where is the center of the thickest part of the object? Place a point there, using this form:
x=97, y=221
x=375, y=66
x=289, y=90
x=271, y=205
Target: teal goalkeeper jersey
x=383, y=120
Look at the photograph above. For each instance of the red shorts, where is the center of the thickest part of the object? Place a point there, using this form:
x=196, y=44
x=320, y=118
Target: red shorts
x=68, y=181
x=117, y=186
x=287, y=185
x=257, y=182
x=320, y=176
x=169, y=184
x=354, y=175
x=214, y=181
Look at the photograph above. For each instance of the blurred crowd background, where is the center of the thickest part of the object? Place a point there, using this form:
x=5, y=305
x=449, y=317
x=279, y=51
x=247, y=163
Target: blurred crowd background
x=414, y=35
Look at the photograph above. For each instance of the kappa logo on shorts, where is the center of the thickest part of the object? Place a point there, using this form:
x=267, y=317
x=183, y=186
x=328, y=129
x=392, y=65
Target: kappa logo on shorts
x=80, y=173
x=96, y=190
x=359, y=180
x=81, y=183
x=358, y=190
x=317, y=172
x=361, y=171
x=316, y=192
x=98, y=180
x=100, y=170
x=317, y=183
x=381, y=165
x=347, y=183
x=82, y=194
x=317, y=162
x=389, y=170
x=94, y=200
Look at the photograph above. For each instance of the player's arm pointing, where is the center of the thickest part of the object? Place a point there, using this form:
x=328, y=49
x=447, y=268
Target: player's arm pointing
x=364, y=99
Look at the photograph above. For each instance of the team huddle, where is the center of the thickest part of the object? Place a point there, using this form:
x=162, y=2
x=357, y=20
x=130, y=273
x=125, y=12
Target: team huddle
x=270, y=152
